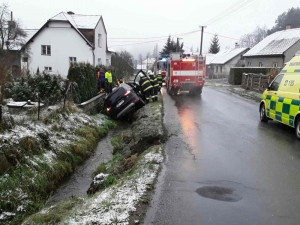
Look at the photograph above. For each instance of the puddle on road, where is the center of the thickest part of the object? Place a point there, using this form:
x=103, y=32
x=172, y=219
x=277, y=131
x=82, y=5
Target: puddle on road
x=80, y=181
x=219, y=193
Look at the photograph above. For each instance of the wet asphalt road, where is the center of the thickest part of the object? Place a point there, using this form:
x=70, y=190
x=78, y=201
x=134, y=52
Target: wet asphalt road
x=225, y=167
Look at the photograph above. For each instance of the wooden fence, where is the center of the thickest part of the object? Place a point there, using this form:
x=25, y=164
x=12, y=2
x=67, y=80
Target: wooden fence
x=252, y=81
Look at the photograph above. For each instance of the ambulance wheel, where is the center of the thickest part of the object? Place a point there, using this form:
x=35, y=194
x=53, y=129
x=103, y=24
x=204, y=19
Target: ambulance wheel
x=263, y=117
x=298, y=128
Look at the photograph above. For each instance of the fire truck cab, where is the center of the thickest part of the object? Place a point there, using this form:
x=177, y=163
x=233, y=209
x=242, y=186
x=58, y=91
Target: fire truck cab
x=185, y=73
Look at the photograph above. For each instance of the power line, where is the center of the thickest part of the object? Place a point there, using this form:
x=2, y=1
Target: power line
x=232, y=11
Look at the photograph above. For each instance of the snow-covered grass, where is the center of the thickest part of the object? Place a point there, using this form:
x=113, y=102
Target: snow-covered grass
x=114, y=204
x=39, y=154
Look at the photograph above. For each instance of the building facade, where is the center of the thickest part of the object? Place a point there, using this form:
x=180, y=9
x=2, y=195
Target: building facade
x=275, y=50
x=64, y=39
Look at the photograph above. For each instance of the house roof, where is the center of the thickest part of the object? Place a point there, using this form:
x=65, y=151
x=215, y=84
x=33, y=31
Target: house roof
x=224, y=56
x=79, y=21
x=276, y=43
x=209, y=57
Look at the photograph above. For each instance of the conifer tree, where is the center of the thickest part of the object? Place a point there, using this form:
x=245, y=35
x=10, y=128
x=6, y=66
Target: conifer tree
x=214, y=45
x=171, y=46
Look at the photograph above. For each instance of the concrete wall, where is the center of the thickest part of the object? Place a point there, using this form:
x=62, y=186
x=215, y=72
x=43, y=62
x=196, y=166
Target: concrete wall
x=65, y=42
x=94, y=105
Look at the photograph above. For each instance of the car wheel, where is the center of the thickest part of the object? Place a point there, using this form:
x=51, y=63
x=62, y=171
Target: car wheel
x=263, y=117
x=298, y=128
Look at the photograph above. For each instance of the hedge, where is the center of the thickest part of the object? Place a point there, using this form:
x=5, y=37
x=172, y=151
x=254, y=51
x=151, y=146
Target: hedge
x=235, y=76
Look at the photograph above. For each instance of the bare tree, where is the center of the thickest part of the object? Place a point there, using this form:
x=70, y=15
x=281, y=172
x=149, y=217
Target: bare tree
x=11, y=38
x=11, y=34
x=122, y=62
x=251, y=39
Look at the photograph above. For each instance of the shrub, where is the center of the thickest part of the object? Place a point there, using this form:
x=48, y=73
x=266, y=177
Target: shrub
x=48, y=87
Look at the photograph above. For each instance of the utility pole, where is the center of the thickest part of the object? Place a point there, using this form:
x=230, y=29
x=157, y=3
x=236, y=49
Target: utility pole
x=202, y=30
x=177, y=44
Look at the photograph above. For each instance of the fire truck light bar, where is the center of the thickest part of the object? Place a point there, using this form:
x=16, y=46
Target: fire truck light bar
x=188, y=60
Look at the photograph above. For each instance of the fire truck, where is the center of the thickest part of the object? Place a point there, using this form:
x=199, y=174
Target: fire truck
x=185, y=73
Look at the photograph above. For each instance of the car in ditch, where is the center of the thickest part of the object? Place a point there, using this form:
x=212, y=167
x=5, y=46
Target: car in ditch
x=122, y=102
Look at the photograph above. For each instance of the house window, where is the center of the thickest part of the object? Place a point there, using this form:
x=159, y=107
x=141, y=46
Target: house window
x=260, y=64
x=107, y=62
x=99, y=40
x=220, y=69
x=99, y=61
x=48, y=69
x=248, y=64
x=72, y=60
x=46, y=49
x=275, y=64
x=25, y=59
x=216, y=69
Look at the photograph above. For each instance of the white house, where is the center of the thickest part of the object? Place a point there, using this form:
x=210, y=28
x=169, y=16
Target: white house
x=220, y=64
x=67, y=38
x=275, y=50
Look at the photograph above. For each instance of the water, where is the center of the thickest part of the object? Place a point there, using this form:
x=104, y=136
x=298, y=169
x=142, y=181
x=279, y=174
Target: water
x=81, y=179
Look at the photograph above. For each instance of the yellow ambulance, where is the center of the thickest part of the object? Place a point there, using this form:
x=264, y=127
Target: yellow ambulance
x=281, y=99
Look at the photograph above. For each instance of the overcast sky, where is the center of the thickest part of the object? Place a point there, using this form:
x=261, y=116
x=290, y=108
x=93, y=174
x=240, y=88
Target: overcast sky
x=139, y=19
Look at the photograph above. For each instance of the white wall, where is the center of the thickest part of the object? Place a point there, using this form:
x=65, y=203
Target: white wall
x=65, y=42
x=100, y=52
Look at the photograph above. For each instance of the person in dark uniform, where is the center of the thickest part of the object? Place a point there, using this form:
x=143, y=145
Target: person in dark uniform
x=146, y=86
x=159, y=80
x=153, y=80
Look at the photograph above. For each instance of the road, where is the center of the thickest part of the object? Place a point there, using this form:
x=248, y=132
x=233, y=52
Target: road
x=225, y=167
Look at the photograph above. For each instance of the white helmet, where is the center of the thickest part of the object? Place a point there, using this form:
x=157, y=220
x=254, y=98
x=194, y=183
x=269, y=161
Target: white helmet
x=150, y=72
x=159, y=72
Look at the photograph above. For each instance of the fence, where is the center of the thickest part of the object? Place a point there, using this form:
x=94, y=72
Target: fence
x=252, y=81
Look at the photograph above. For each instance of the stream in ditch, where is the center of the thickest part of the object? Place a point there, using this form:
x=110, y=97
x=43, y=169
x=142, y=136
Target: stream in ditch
x=79, y=182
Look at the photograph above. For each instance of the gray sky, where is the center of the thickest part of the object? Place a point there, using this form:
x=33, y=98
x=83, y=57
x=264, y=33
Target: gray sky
x=158, y=18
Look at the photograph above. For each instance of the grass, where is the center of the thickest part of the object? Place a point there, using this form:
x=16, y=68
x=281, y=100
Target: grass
x=55, y=214
x=37, y=181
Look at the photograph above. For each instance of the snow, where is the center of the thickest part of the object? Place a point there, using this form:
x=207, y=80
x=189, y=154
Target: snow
x=79, y=21
x=57, y=140
x=115, y=203
x=276, y=43
x=224, y=56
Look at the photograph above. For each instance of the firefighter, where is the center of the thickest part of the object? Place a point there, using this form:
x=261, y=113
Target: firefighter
x=153, y=80
x=120, y=81
x=101, y=81
x=159, y=80
x=146, y=86
x=108, y=80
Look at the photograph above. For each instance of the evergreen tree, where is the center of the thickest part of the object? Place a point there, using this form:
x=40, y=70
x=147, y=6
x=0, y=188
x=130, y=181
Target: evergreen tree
x=291, y=17
x=171, y=46
x=214, y=45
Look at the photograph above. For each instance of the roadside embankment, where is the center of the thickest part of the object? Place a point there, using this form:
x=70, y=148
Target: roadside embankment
x=37, y=155
x=120, y=186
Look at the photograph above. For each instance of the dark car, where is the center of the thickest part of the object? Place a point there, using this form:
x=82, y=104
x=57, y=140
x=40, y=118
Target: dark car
x=122, y=101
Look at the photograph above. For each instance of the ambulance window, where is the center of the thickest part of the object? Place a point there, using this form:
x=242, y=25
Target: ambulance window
x=275, y=85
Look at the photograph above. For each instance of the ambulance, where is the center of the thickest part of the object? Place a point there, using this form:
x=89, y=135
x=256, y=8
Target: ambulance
x=281, y=99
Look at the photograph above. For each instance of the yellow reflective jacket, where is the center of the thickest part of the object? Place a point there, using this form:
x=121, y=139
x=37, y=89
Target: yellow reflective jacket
x=108, y=76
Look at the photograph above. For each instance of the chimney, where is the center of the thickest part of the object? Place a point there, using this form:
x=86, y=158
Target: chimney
x=288, y=26
x=70, y=13
x=237, y=45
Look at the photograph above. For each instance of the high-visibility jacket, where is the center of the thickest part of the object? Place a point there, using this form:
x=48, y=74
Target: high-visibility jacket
x=145, y=83
x=159, y=79
x=120, y=82
x=108, y=76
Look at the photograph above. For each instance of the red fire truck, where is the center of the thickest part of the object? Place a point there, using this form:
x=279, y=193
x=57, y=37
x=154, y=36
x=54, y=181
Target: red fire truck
x=185, y=73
